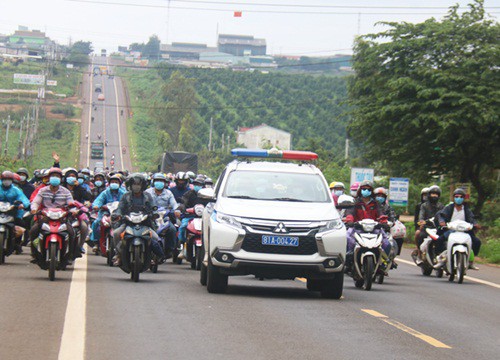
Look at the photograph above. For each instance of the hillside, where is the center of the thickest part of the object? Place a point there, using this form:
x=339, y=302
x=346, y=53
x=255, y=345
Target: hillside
x=309, y=107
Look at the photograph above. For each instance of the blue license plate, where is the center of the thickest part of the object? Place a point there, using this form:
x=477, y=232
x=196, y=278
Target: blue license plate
x=280, y=240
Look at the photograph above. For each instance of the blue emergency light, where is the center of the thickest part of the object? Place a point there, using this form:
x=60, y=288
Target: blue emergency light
x=276, y=154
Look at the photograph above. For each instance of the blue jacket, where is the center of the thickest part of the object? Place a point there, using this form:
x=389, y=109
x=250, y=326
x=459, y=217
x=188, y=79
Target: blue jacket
x=108, y=196
x=12, y=194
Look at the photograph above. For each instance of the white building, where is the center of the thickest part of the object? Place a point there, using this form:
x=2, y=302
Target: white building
x=264, y=136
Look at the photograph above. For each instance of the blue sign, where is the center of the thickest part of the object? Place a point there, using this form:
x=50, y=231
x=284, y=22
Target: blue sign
x=398, y=191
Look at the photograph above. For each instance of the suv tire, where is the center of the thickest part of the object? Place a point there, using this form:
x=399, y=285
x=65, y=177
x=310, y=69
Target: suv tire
x=216, y=282
x=332, y=288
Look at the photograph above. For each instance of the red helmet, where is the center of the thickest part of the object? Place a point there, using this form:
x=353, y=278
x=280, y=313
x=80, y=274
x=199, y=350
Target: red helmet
x=8, y=175
x=17, y=178
x=54, y=170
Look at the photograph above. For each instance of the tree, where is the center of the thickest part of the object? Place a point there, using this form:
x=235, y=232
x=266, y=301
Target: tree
x=152, y=48
x=79, y=53
x=425, y=97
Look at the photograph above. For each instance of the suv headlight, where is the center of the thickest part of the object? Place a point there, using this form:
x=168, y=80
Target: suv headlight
x=226, y=219
x=330, y=225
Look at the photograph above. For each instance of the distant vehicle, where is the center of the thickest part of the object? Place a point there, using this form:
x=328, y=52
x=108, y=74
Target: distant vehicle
x=99, y=164
x=100, y=97
x=98, y=88
x=103, y=52
x=97, y=150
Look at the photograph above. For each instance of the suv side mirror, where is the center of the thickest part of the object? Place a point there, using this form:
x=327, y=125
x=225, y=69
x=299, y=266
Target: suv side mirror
x=207, y=194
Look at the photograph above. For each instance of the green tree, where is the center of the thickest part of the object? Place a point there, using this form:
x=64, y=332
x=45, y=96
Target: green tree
x=426, y=97
x=152, y=48
x=79, y=53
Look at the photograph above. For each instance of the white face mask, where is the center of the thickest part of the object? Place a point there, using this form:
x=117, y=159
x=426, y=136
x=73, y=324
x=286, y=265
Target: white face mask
x=354, y=193
x=23, y=178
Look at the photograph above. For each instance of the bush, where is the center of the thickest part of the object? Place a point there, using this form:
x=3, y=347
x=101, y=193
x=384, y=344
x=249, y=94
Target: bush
x=67, y=109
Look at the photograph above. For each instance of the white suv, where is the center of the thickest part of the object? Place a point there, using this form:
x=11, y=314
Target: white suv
x=273, y=220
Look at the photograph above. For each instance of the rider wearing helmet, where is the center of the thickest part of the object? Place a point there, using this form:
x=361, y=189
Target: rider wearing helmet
x=424, y=193
x=337, y=189
x=381, y=197
x=99, y=184
x=191, y=176
x=134, y=200
x=181, y=185
x=12, y=194
x=354, y=189
x=209, y=183
x=430, y=208
x=163, y=198
x=87, y=177
x=24, y=185
x=458, y=210
x=44, y=177
x=52, y=196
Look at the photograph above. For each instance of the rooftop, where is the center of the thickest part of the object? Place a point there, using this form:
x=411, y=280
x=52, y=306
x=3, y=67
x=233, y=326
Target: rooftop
x=240, y=40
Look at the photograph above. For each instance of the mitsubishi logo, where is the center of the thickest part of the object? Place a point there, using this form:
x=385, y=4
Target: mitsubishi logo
x=281, y=228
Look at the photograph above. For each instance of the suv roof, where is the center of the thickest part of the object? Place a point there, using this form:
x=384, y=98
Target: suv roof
x=274, y=166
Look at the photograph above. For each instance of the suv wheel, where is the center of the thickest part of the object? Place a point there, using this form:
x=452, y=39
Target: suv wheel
x=332, y=288
x=216, y=282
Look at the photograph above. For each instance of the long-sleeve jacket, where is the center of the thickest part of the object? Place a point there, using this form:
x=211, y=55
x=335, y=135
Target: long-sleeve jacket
x=129, y=203
x=108, y=196
x=27, y=188
x=190, y=199
x=80, y=194
x=47, y=199
x=362, y=210
x=429, y=210
x=12, y=194
x=164, y=200
x=447, y=212
x=386, y=209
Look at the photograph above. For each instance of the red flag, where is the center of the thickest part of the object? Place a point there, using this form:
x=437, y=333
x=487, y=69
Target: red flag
x=237, y=14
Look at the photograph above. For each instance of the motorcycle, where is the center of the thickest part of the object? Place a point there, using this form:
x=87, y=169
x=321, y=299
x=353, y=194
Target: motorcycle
x=7, y=229
x=193, y=244
x=106, y=246
x=458, y=250
x=75, y=216
x=367, y=253
x=136, y=246
x=53, y=243
x=163, y=221
x=388, y=261
x=426, y=259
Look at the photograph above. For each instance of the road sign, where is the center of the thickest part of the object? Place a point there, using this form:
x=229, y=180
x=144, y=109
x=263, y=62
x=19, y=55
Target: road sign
x=51, y=82
x=360, y=174
x=29, y=79
x=398, y=191
x=69, y=66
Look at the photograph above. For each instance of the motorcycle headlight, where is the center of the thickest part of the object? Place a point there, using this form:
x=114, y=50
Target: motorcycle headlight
x=198, y=210
x=330, y=225
x=226, y=219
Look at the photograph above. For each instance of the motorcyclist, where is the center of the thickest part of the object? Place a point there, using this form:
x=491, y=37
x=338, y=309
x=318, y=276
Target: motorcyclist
x=337, y=189
x=380, y=194
x=458, y=210
x=13, y=195
x=135, y=199
x=181, y=185
x=44, y=176
x=163, y=198
x=191, y=176
x=99, y=184
x=24, y=185
x=36, y=178
x=366, y=207
x=87, y=178
x=114, y=192
x=424, y=193
x=209, y=183
x=428, y=210
x=51, y=196
x=354, y=189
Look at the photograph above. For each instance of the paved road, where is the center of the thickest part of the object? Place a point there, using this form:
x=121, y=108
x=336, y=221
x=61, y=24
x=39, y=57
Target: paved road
x=109, y=118
x=170, y=315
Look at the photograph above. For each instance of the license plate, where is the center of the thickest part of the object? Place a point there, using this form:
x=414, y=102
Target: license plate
x=280, y=240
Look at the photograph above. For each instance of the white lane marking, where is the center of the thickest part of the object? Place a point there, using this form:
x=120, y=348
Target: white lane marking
x=104, y=121
x=428, y=339
x=479, y=281
x=118, y=126
x=73, y=336
x=90, y=112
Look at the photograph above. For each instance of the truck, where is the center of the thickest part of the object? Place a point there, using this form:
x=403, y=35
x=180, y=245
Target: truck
x=96, y=150
x=176, y=161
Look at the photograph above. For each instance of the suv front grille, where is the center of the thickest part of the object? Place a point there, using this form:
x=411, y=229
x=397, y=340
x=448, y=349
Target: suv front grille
x=253, y=243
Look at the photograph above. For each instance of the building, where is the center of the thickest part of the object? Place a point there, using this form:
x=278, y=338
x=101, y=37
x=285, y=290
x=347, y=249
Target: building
x=184, y=51
x=264, y=136
x=30, y=42
x=241, y=45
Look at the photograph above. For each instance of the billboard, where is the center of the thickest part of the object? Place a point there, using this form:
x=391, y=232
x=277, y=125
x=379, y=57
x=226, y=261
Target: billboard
x=398, y=191
x=69, y=66
x=29, y=79
x=360, y=174
x=51, y=82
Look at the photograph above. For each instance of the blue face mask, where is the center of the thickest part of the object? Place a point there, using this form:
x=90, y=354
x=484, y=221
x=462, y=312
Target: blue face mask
x=380, y=199
x=459, y=200
x=338, y=192
x=55, y=181
x=71, y=180
x=159, y=185
x=114, y=186
x=366, y=192
x=197, y=188
x=98, y=183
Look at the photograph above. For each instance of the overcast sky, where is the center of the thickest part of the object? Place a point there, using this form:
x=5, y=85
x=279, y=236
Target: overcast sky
x=314, y=31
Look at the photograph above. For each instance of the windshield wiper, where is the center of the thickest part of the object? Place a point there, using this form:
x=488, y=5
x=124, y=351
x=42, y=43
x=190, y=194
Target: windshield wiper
x=288, y=199
x=242, y=197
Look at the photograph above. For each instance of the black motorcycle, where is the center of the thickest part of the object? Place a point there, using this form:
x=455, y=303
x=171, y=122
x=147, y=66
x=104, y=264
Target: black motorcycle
x=7, y=227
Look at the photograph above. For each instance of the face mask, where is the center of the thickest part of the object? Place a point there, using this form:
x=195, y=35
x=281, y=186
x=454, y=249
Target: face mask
x=55, y=181
x=424, y=198
x=71, y=180
x=433, y=199
x=197, y=188
x=380, y=199
x=354, y=193
x=459, y=200
x=136, y=188
x=80, y=181
x=338, y=192
x=6, y=183
x=85, y=177
x=181, y=186
x=98, y=183
x=159, y=185
x=114, y=186
x=366, y=192
x=23, y=178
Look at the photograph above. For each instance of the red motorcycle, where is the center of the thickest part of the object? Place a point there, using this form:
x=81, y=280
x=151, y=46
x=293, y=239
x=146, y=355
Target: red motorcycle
x=53, y=242
x=193, y=237
x=106, y=245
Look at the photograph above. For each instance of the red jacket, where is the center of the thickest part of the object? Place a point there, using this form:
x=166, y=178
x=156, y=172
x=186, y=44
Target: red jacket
x=364, y=210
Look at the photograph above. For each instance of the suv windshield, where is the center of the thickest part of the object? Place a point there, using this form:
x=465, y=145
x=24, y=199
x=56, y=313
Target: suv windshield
x=276, y=186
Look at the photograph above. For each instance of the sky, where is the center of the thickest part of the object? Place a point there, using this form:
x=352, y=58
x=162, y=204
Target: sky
x=292, y=27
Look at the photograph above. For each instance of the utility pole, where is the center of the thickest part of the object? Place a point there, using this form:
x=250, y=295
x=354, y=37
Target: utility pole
x=20, y=142
x=346, y=148
x=210, y=134
x=7, y=136
x=227, y=142
x=222, y=141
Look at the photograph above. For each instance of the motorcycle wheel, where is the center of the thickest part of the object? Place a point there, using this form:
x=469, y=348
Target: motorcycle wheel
x=368, y=267
x=154, y=267
x=380, y=278
x=52, y=261
x=199, y=258
x=136, y=266
x=426, y=269
x=460, y=267
x=359, y=283
x=193, y=256
x=452, y=267
x=439, y=273
x=111, y=254
x=2, y=250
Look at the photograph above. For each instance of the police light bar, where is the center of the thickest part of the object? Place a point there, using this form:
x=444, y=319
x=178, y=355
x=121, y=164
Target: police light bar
x=275, y=154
